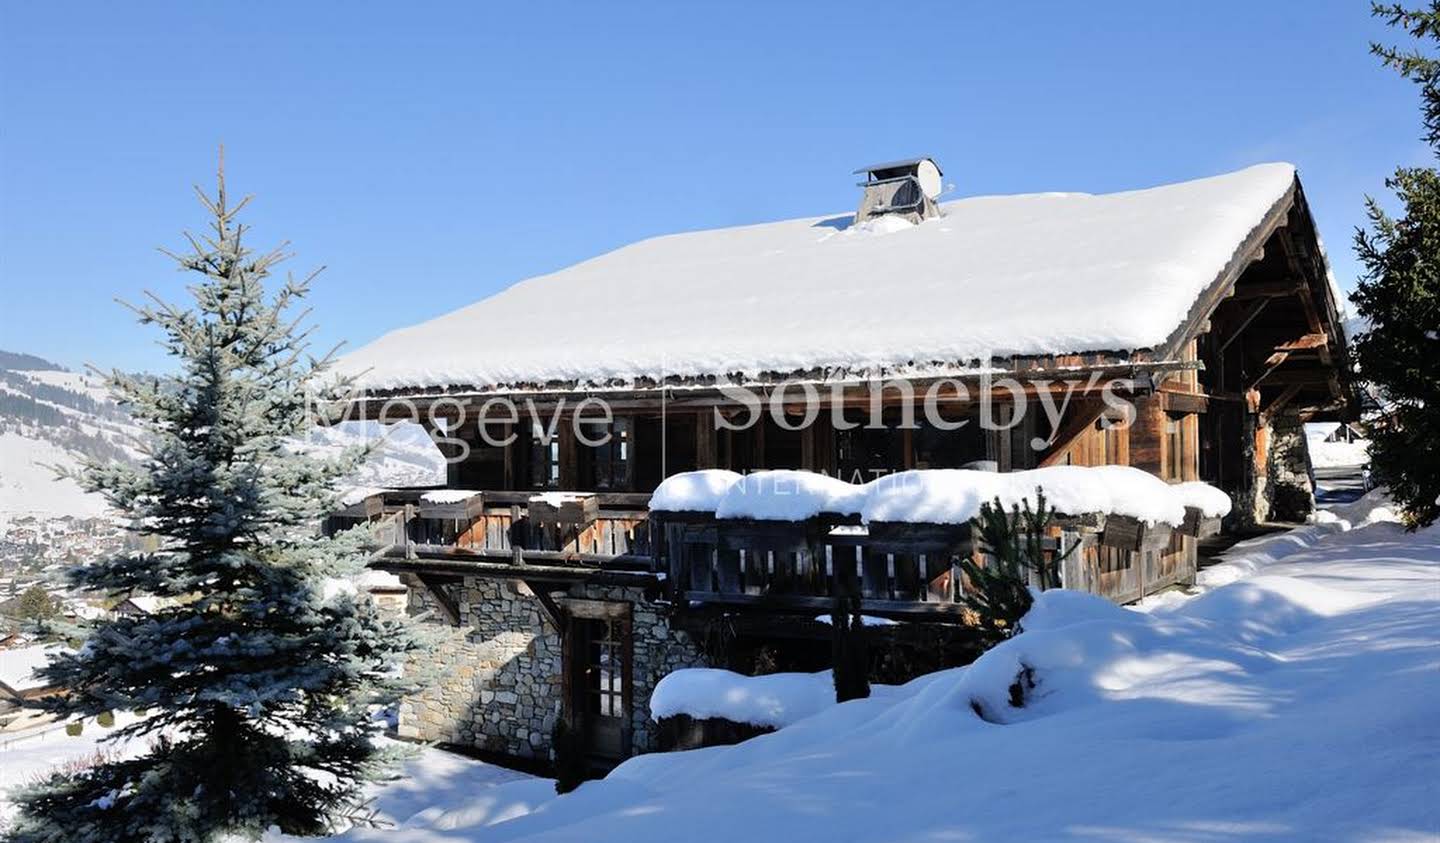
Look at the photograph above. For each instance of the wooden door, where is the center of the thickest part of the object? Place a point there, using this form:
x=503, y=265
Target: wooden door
x=600, y=675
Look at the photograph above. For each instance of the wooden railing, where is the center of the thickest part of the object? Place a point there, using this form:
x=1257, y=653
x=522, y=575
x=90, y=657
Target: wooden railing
x=900, y=569
x=806, y=565
x=500, y=526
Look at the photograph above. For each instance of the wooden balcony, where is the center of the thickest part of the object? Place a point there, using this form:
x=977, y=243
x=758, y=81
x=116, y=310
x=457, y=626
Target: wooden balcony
x=494, y=532
x=901, y=570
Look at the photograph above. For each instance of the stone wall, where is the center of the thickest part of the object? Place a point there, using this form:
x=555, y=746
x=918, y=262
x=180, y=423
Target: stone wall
x=1291, y=491
x=1283, y=491
x=495, y=682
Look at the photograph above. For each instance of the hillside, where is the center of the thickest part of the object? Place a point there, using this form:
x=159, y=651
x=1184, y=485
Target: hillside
x=51, y=418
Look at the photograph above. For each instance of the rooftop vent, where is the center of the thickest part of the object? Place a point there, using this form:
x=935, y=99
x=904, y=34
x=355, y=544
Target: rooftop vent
x=904, y=188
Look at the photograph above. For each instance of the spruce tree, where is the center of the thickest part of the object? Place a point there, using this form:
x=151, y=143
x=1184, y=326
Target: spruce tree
x=998, y=592
x=259, y=678
x=36, y=605
x=1398, y=294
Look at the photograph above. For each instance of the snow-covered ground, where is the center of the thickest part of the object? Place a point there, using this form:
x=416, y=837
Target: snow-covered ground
x=1290, y=697
x=29, y=485
x=1334, y=454
x=1339, y=454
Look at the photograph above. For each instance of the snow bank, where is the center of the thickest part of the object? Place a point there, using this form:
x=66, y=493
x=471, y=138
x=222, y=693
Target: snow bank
x=982, y=280
x=1295, y=704
x=776, y=700
x=1211, y=502
x=788, y=495
x=1339, y=454
x=954, y=496
x=693, y=491
x=936, y=496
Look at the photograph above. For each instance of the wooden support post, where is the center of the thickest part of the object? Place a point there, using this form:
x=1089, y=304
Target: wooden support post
x=519, y=536
x=1147, y=435
x=569, y=457
x=706, y=452
x=509, y=456
x=435, y=586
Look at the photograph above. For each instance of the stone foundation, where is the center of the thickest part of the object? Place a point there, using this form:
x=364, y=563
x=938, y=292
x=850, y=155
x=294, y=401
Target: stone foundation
x=1281, y=488
x=495, y=682
x=1292, y=491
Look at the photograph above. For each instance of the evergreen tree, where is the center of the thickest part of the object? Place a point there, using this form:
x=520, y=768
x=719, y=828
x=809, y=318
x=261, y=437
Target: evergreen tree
x=1399, y=296
x=36, y=605
x=1014, y=544
x=260, y=679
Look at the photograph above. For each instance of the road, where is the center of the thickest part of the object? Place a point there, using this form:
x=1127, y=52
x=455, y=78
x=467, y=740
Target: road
x=1338, y=485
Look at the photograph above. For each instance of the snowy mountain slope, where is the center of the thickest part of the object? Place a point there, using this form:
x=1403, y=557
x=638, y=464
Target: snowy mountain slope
x=50, y=418
x=1292, y=703
x=28, y=484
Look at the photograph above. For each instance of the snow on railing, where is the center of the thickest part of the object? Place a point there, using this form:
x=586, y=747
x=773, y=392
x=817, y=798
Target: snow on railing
x=936, y=496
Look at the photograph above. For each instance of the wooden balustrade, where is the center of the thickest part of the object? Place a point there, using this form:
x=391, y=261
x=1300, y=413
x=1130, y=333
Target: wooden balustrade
x=896, y=569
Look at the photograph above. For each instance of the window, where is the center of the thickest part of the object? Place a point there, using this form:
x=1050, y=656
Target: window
x=936, y=448
x=605, y=670
x=544, y=463
x=1174, y=447
x=607, y=465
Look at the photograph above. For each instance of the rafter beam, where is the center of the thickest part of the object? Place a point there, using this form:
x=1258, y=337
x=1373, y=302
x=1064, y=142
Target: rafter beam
x=1078, y=422
x=1285, y=397
x=1250, y=314
x=1266, y=290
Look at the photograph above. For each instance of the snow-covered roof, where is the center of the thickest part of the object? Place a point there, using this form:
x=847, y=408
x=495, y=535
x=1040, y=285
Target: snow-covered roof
x=18, y=665
x=1033, y=274
x=146, y=603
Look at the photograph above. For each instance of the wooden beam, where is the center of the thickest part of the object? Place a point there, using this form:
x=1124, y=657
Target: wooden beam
x=1267, y=290
x=458, y=565
x=1285, y=397
x=435, y=586
x=1306, y=342
x=1079, y=421
x=1184, y=402
x=1250, y=314
x=549, y=607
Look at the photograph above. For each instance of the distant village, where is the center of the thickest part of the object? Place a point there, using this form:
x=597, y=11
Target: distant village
x=34, y=553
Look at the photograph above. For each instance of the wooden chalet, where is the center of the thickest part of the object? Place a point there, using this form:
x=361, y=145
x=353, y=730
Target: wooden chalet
x=1206, y=305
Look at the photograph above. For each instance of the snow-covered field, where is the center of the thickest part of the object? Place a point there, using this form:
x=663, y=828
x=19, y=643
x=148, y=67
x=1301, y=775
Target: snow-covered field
x=1292, y=697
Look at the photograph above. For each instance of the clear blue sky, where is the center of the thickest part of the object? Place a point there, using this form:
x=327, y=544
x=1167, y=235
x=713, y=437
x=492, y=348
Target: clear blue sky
x=430, y=154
